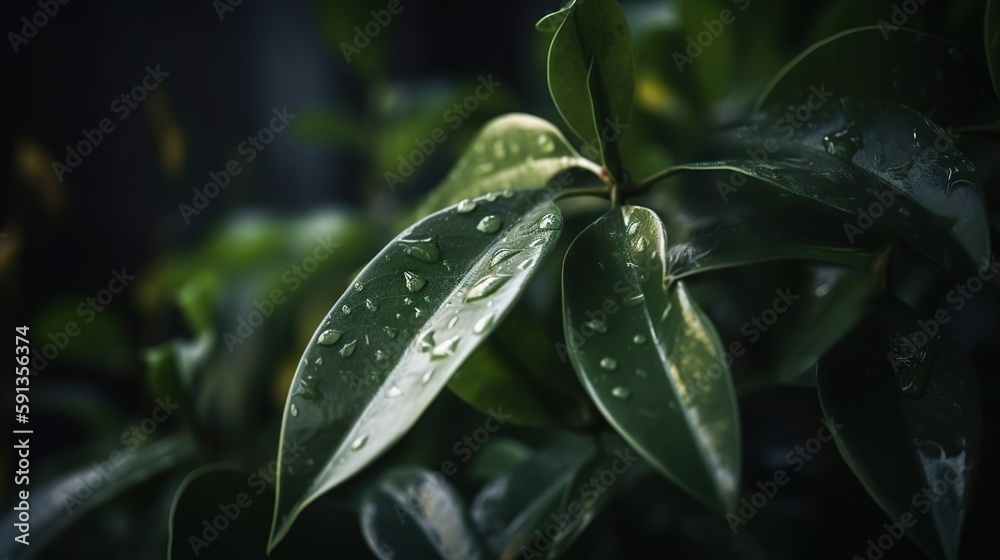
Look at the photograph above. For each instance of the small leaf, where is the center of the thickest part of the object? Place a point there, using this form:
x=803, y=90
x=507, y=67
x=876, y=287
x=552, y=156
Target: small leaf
x=933, y=76
x=415, y=513
x=390, y=344
x=591, y=69
x=905, y=403
x=649, y=357
x=512, y=151
x=884, y=162
x=487, y=381
x=991, y=32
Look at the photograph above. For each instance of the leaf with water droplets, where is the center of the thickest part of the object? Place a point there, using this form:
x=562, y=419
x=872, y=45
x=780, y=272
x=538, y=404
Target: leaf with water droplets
x=435, y=522
x=933, y=201
x=388, y=347
x=694, y=438
x=916, y=451
x=525, y=163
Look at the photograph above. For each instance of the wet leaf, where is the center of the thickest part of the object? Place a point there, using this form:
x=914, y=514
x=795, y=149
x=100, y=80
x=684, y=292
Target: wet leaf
x=415, y=513
x=903, y=375
x=393, y=340
x=512, y=151
x=649, y=357
x=885, y=163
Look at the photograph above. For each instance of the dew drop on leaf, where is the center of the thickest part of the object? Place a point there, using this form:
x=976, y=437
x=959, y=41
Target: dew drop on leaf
x=609, y=364
x=346, y=310
x=348, y=348
x=622, y=393
x=446, y=348
x=294, y=411
x=502, y=255
x=489, y=224
x=486, y=286
x=426, y=341
x=551, y=222
x=390, y=332
x=393, y=392
x=358, y=286
x=545, y=144
x=319, y=361
x=483, y=324
x=427, y=376
x=413, y=282
x=328, y=337
x=424, y=250
x=597, y=326
x=453, y=322
x=639, y=339
x=381, y=357
x=371, y=305
x=359, y=442
x=465, y=206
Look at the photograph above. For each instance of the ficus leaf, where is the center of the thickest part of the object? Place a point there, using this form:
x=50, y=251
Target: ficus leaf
x=393, y=340
x=649, y=357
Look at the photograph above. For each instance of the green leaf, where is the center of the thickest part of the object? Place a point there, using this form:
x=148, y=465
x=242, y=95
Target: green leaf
x=415, y=513
x=487, y=382
x=591, y=69
x=906, y=404
x=883, y=158
x=991, y=33
x=392, y=342
x=512, y=151
x=552, y=22
x=57, y=504
x=649, y=357
x=935, y=77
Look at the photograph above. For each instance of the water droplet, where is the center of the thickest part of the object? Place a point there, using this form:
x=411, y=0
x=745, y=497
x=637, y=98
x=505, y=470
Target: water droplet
x=359, y=442
x=640, y=244
x=413, y=282
x=328, y=337
x=499, y=149
x=490, y=197
x=427, y=376
x=528, y=263
x=841, y=145
x=545, y=144
x=609, y=364
x=393, y=392
x=633, y=229
x=381, y=357
x=640, y=373
x=633, y=301
x=551, y=222
x=358, y=286
x=466, y=206
x=294, y=411
x=483, y=324
x=348, y=348
x=452, y=322
x=502, y=255
x=484, y=168
x=390, y=332
x=371, y=305
x=639, y=339
x=486, y=286
x=904, y=211
x=408, y=301
x=597, y=326
x=426, y=341
x=489, y=224
x=822, y=290
x=507, y=193
x=424, y=250
x=537, y=242
x=622, y=393
x=319, y=361
x=446, y=348
x=900, y=171
x=346, y=310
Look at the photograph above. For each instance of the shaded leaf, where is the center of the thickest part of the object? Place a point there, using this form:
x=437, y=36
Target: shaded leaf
x=487, y=382
x=649, y=357
x=931, y=75
x=885, y=159
x=392, y=342
x=906, y=404
x=415, y=513
x=512, y=151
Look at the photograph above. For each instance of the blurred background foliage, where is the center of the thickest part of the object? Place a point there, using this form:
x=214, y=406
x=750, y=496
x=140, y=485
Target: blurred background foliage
x=324, y=177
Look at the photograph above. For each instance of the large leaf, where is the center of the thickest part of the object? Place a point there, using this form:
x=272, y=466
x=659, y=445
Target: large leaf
x=415, y=513
x=886, y=160
x=649, y=357
x=931, y=75
x=907, y=406
x=389, y=344
x=57, y=504
x=591, y=69
x=512, y=151
x=991, y=33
